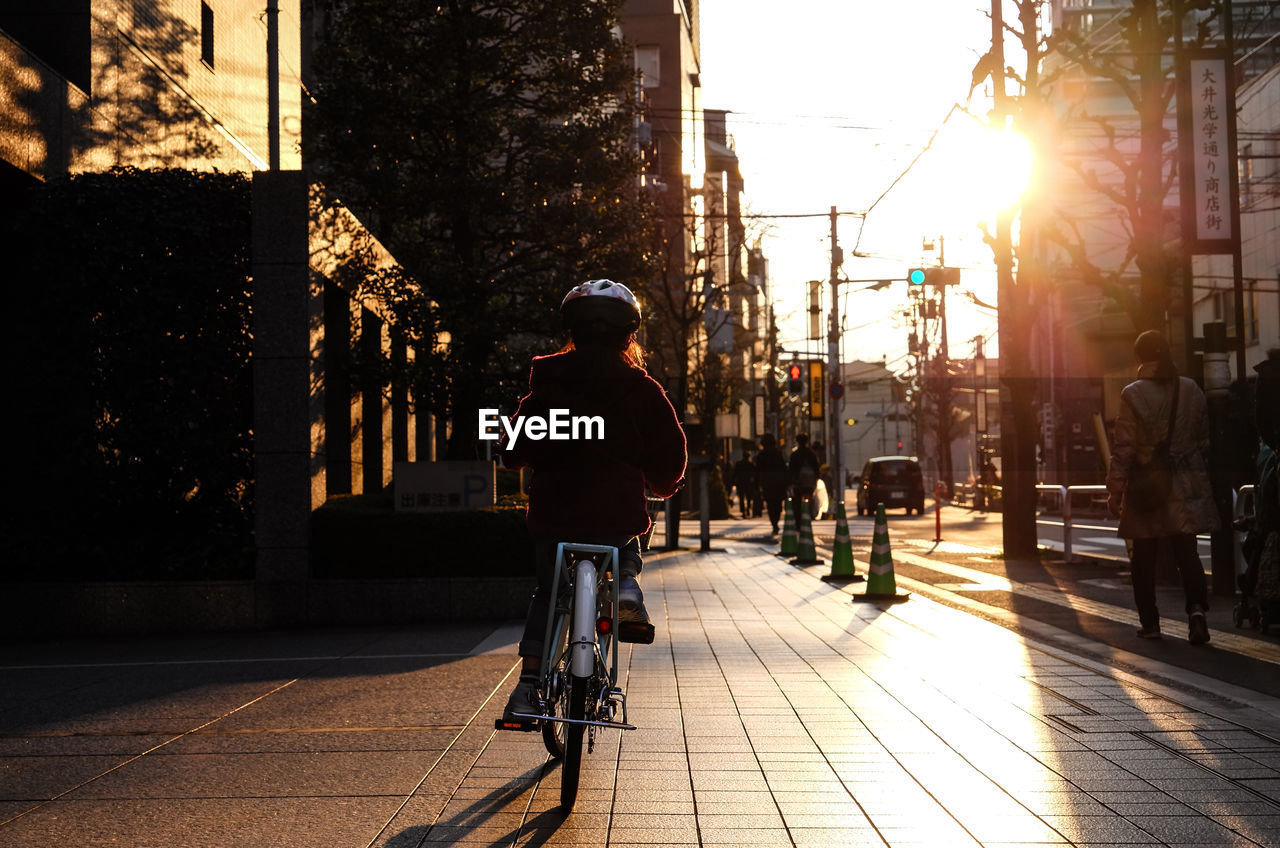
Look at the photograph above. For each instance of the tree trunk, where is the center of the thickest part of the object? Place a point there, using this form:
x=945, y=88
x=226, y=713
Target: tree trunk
x=1149, y=218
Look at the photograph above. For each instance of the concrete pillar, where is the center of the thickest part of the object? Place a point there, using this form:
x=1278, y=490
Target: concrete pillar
x=375, y=406
x=289, y=478
x=403, y=420
x=337, y=389
x=356, y=413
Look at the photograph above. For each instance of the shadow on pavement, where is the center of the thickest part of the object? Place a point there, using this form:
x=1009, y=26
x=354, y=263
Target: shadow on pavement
x=478, y=817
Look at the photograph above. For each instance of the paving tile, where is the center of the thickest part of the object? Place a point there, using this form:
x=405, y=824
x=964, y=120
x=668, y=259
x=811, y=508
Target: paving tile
x=42, y=778
x=1099, y=829
x=833, y=837
x=676, y=835
x=772, y=712
x=1025, y=828
x=174, y=822
x=1182, y=829
x=724, y=837
x=848, y=818
x=631, y=805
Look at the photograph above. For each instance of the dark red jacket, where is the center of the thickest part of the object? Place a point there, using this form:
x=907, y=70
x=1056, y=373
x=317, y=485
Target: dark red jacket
x=596, y=487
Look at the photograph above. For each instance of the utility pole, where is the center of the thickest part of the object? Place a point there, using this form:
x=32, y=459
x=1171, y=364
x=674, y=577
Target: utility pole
x=273, y=84
x=946, y=468
x=942, y=297
x=833, y=368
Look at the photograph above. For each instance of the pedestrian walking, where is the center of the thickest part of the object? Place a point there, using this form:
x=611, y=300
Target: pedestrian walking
x=746, y=481
x=804, y=467
x=771, y=470
x=1159, y=482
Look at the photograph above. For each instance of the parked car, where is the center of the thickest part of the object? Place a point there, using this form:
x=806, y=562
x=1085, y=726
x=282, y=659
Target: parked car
x=894, y=481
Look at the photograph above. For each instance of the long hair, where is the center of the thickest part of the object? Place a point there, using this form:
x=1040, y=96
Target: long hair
x=1152, y=346
x=623, y=344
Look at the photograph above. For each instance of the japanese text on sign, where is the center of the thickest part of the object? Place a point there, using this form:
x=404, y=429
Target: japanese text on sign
x=434, y=486
x=1211, y=153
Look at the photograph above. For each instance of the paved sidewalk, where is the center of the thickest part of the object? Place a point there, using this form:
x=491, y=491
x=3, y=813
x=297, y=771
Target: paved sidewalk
x=772, y=710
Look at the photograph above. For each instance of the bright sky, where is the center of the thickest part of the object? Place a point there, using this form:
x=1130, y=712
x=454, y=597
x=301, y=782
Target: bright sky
x=830, y=100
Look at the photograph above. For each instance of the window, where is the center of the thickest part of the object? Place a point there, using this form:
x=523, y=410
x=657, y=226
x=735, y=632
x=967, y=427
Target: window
x=206, y=35
x=647, y=64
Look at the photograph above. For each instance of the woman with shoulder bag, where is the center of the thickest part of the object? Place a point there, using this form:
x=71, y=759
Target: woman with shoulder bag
x=1159, y=482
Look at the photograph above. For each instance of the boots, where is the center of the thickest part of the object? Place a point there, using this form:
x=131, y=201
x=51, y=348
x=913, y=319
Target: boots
x=633, y=618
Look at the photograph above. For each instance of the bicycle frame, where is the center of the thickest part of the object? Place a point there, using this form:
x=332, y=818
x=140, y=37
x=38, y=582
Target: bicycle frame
x=582, y=577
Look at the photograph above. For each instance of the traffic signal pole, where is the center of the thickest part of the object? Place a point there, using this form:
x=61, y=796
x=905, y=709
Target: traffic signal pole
x=833, y=370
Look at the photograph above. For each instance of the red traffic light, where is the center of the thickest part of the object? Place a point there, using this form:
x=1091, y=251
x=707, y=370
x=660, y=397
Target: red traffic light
x=794, y=372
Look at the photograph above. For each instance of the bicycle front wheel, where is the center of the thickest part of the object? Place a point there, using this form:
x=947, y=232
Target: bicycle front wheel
x=571, y=762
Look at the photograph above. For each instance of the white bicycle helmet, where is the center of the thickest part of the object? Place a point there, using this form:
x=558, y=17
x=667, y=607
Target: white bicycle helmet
x=601, y=302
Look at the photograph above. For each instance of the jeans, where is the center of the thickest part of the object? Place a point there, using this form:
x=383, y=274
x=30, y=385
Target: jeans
x=1146, y=558
x=535, y=624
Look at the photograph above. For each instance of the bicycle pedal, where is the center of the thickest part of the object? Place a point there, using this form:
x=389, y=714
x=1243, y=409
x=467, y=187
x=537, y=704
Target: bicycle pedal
x=637, y=632
x=517, y=724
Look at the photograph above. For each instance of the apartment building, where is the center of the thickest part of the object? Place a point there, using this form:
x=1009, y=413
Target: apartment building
x=91, y=84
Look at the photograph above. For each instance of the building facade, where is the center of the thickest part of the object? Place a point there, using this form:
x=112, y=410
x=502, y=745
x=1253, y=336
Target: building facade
x=92, y=84
x=1083, y=322
x=203, y=85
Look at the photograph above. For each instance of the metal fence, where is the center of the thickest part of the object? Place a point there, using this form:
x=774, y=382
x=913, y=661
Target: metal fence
x=1241, y=507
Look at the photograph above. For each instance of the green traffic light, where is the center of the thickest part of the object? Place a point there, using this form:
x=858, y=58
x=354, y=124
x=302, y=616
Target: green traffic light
x=916, y=276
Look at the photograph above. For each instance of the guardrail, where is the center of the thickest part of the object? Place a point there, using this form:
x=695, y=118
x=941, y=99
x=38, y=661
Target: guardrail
x=1064, y=495
x=1241, y=507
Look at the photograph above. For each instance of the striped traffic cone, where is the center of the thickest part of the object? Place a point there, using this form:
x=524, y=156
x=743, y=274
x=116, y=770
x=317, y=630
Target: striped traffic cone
x=842, y=569
x=880, y=583
x=788, y=531
x=807, y=553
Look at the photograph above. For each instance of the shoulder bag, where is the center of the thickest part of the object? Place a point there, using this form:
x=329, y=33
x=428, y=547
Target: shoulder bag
x=1150, y=482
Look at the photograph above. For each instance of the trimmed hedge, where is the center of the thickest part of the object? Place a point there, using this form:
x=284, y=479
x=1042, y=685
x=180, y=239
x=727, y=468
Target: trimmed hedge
x=129, y=363
x=361, y=536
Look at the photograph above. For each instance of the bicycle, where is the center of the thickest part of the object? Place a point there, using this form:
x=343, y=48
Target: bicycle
x=579, y=693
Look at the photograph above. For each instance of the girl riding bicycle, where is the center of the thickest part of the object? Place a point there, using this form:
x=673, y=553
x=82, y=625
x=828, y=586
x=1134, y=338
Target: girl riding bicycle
x=592, y=490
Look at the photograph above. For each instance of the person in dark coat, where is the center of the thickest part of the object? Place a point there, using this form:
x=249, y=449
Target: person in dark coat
x=771, y=469
x=805, y=468
x=592, y=489
x=1189, y=508
x=746, y=481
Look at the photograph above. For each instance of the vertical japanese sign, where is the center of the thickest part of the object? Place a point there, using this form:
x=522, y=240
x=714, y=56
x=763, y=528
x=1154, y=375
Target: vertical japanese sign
x=815, y=309
x=816, y=391
x=1206, y=105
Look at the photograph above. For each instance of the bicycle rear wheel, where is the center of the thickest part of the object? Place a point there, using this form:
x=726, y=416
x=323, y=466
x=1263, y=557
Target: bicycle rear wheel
x=571, y=762
x=553, y=732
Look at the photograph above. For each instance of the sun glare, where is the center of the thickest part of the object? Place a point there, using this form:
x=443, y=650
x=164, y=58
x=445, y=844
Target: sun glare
x=1012, y=161
x=976, y=171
